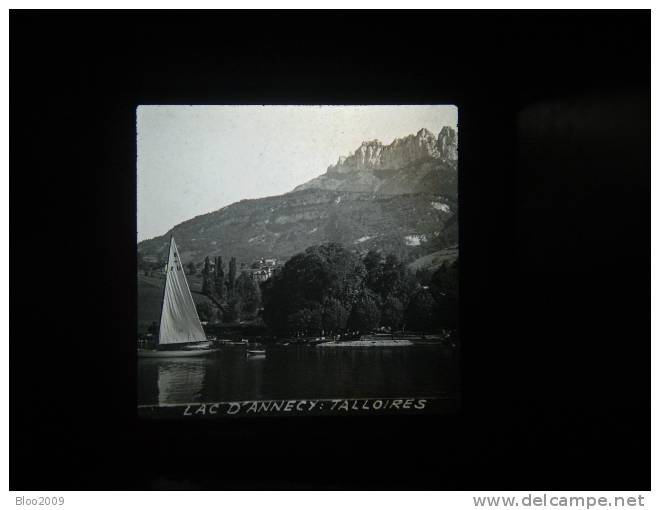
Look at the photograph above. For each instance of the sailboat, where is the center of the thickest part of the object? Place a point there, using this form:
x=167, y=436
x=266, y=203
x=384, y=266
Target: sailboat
x=180, y=333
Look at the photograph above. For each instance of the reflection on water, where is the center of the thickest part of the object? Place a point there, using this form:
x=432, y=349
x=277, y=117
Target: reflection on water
x=182, y=381
x=299, y=372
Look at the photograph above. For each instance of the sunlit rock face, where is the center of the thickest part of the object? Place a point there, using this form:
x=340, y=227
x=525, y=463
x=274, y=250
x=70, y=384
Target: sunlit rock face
x=366, y=157
x=404, y=151
x=447, y=144
x=419, y=162
x=373, y=155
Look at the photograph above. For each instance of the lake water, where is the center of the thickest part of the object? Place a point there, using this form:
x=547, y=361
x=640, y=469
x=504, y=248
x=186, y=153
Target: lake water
x=420, y=370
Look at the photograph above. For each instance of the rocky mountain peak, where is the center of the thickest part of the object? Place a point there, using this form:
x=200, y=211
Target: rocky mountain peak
x=373, y=155
x=399, y=167
x=447, y=144
x=404, y=151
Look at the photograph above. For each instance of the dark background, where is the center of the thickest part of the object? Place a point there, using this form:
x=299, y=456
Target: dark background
x=554, y=135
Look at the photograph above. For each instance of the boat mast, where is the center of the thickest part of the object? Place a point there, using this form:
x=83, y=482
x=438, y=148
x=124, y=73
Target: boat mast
x=162, y=300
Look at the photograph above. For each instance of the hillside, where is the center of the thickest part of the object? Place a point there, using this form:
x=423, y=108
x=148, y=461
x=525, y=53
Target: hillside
x=400, y=198
x=284, y=225
x=434, y=260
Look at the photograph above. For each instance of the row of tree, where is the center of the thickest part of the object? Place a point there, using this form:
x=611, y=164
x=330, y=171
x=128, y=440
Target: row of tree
x=236, y=297
x=330, y=290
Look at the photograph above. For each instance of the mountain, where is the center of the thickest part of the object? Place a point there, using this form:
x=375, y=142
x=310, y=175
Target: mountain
x=399, y=198
x=287, y=224
x=416, y=163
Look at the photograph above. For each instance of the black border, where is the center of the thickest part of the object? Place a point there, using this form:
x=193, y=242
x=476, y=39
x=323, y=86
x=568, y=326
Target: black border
x=554, y=123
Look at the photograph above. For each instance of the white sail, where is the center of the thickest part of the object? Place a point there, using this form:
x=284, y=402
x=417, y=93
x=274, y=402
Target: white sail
x=179, y=322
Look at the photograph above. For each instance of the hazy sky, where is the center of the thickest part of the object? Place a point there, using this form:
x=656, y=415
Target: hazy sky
x=197, y=159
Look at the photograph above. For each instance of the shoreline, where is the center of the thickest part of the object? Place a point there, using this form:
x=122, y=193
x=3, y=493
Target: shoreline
x=367, y=343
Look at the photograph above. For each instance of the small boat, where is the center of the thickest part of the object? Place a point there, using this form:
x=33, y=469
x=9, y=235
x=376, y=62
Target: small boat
x=181, y=334
x=183, y=353
x=255, y=352
x=201, y=345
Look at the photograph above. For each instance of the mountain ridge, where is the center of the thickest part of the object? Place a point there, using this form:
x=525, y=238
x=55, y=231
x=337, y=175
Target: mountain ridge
x=407, y=165
x=400, y=198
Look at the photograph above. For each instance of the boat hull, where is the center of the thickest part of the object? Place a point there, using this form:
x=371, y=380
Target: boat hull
x=188, y=353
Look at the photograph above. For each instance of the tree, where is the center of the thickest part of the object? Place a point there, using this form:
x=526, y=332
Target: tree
x=364, y=316
x=408, y=286
x=232, y=310
x=392, y=276
x=373, y=264
x=423, y=276
x=205, y=311
x=389, y=277
x=314, y=322
x=231, y=278
x=248, y=293
x=273, y=295
x=207, y=283
x=444, y=287
x=342, y=270
x=420, y=313
x=219, y=282
x=392, y=313
x=304, y=322
x=154, y=327
x=334, y=317
x=297, y=322
x=191, y=268
x=308, y=280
